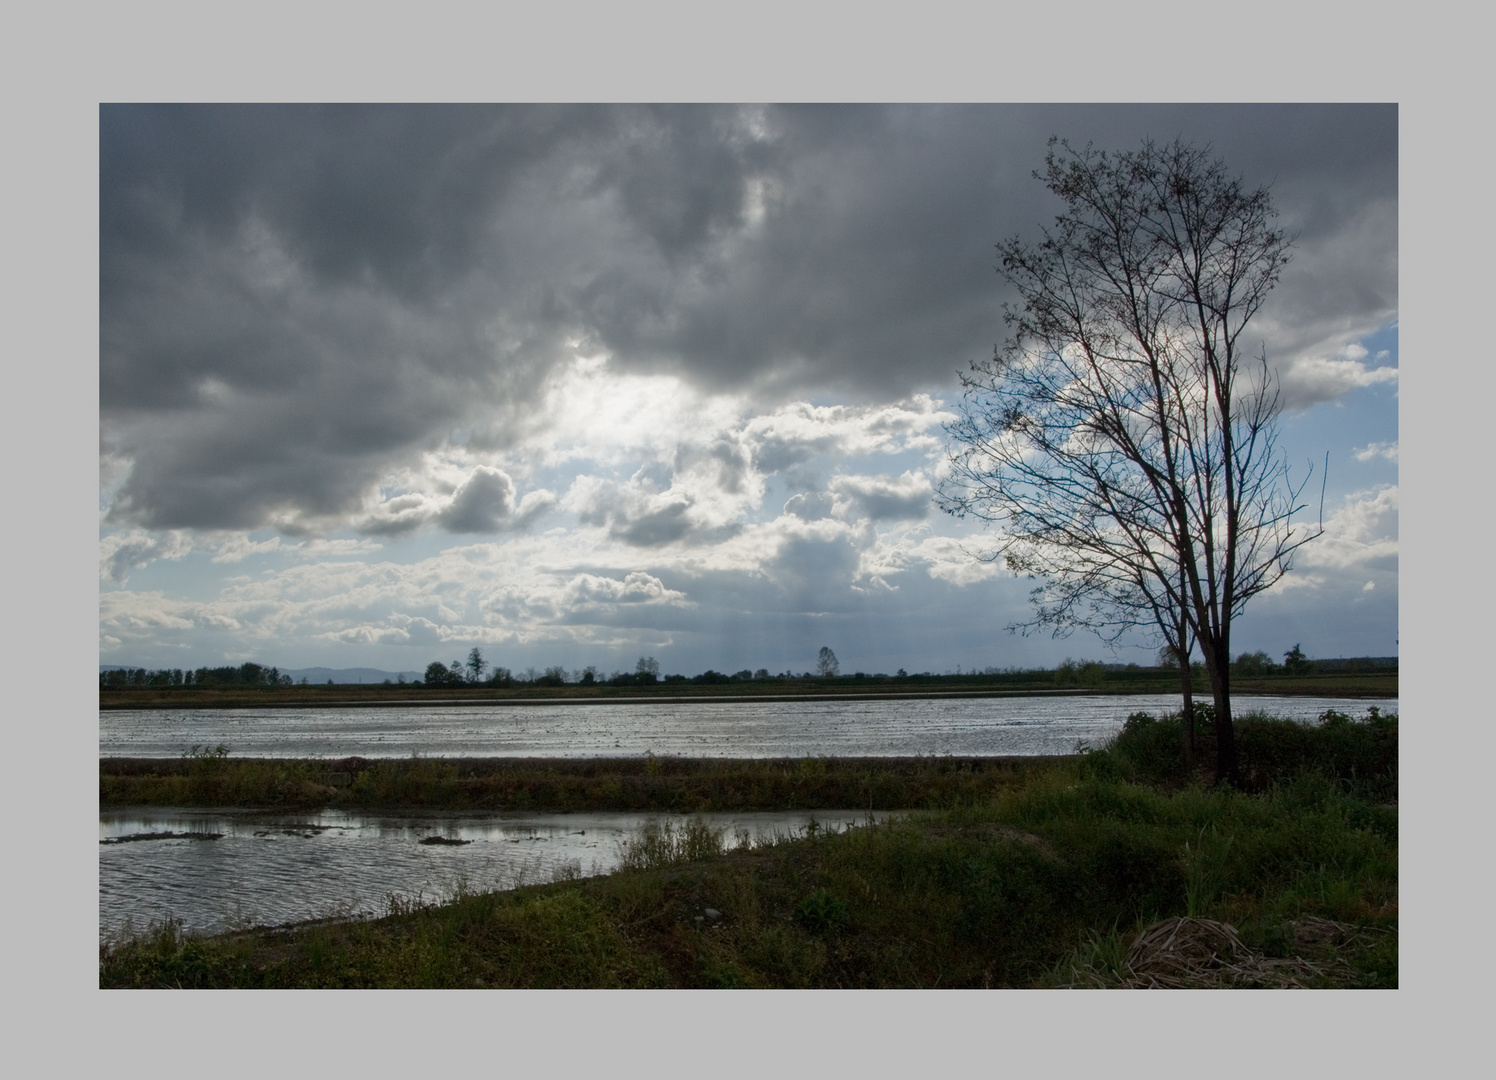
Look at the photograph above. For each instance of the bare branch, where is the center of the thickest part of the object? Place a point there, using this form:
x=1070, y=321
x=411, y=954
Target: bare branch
x=1119, y=443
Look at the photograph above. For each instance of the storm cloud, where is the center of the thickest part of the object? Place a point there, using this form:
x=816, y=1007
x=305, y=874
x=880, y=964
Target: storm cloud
x=297, y=303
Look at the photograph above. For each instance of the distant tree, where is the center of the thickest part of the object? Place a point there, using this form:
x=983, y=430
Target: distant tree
x=1254, y=663
x=589, y=676
x=647, y=671
x=827, y=664
x=1296, y=663
x=761, y=673
x=475, y=665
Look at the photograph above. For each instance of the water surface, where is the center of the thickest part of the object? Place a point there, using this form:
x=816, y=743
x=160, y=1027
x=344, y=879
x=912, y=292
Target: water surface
x=846, y=728
x=219, y=870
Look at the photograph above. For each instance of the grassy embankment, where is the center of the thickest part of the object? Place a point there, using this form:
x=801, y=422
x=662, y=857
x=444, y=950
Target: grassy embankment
x=1050, y=879
x=1088, y=680
x=666, y=785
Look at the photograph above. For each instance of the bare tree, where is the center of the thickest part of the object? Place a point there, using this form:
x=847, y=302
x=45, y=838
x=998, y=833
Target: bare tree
x=475, y=665
x=827, y=664
x=1123, y=441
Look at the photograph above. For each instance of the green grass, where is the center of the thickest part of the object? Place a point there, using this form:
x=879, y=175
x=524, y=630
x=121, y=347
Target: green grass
x=667, y=785
x=1043, y=882
x=1360, y=754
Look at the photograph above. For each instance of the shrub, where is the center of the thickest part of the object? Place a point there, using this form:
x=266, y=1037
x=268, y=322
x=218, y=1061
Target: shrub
x=1361, y=754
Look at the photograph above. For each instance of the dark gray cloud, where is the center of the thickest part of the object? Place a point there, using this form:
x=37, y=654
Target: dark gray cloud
x=483, y=504
x=296, y=300
x=886, y=498
x=810, y=505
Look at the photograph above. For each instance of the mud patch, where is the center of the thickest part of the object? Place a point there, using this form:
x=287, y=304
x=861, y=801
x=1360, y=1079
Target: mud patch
x=133, y=837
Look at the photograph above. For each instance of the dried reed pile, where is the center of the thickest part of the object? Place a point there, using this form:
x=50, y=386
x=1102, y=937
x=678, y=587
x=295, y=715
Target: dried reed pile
x=1191, y=954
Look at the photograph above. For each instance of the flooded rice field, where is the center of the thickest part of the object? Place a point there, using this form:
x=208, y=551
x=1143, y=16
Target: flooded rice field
x=223, y=869
x=218, y=870
x=748, y=729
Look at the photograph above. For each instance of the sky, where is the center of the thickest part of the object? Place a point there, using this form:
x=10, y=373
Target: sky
x=582, y=384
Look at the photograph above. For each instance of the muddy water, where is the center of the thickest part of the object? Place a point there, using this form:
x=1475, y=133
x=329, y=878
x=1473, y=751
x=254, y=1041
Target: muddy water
x=217, y=870
x=900, y=728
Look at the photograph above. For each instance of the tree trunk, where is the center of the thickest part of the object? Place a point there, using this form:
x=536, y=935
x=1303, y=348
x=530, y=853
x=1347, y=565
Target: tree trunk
x=1219, y=663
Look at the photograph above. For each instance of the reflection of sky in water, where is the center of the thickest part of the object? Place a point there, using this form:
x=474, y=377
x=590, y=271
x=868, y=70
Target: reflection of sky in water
x=269, y=869
x=899, y=728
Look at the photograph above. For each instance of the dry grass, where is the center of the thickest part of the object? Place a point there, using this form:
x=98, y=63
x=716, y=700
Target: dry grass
x=1186, y=953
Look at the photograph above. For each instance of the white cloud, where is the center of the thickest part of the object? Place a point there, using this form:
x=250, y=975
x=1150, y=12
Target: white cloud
x=1387, y=451
x=1315, y=379
x=119, y=553
x=1361, y=534
x=232, y=549
x=319, y=548
x=591, y=591
x=128, y=616
x=797, y=432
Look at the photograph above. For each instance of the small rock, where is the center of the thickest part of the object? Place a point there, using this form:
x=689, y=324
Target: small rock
x=712, y=913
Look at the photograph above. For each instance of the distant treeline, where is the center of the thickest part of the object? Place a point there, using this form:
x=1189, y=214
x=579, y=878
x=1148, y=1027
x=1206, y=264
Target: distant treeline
x=242, y=676
x=477, y=672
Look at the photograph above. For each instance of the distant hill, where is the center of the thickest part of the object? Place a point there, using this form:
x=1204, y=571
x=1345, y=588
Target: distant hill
x=348, y=675
x=1357, y=663
x=322, y=674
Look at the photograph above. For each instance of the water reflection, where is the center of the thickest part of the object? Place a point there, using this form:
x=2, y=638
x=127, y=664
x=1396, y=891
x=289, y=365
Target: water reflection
x=218, y=870
x=902, y=728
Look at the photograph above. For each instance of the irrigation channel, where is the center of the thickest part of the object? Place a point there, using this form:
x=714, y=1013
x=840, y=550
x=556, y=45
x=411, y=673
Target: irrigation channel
x=223, y=868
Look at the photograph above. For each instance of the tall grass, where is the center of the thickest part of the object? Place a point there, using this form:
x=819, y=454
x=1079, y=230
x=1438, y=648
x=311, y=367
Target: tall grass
x=656, y=845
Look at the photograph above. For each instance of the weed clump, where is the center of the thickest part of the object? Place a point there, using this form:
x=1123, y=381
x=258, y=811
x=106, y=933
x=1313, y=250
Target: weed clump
x=658, y=845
